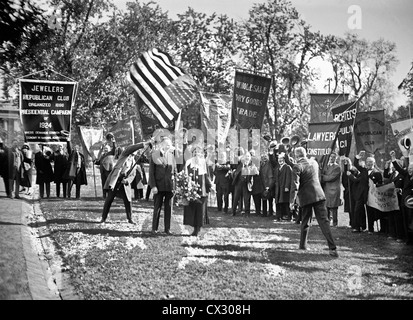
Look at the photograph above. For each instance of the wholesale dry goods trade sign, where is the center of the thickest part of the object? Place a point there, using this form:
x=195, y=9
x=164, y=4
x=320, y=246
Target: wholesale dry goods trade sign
x=46, y=109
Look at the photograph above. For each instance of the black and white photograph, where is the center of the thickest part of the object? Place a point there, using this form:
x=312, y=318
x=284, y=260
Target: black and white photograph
x=206, y=157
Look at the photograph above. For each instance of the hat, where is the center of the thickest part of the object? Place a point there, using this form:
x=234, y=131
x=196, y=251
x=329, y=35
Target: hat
x=267, y=137
x=408, y=202
x=273, y=143
x=25, y=146
x=109, y=135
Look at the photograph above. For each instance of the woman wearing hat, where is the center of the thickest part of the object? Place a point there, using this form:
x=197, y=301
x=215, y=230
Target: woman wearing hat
x=26, y=170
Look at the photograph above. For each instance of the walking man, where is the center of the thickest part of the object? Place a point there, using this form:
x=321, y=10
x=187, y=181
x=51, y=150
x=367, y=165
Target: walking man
x=311, y=197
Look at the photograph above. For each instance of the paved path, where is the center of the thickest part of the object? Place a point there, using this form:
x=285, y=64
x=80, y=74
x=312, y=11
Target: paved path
x=25, y=273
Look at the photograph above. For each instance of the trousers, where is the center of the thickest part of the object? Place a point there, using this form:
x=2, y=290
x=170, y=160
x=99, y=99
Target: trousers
x=320, y=211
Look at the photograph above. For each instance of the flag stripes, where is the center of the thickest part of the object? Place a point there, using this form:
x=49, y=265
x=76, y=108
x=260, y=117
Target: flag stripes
x=150, y=76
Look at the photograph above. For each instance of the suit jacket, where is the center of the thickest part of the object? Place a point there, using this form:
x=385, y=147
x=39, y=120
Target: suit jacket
x=330, y=180
x=162, y=167
x=306, y=179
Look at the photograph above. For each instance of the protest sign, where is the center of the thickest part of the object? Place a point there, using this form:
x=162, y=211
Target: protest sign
x=249, y=100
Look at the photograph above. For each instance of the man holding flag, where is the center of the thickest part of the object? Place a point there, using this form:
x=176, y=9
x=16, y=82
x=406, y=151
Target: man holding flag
x=119, y=181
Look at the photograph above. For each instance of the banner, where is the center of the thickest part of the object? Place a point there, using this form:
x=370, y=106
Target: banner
x=369, y=131
x=402, y=129
x=123, y=131
x=163, y=87
x=322, y=103
x=216, y=114
x=91, y=139
x=383, y=198
x=46, y=109
x=345, y=113
x=249, y=100
x=321, y=139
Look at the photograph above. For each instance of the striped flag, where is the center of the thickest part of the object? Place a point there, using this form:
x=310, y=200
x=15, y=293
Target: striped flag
x=161, y=85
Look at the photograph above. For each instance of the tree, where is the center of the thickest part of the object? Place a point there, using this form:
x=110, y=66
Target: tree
x=205, y=46
x=364, y=67
x=278, y=42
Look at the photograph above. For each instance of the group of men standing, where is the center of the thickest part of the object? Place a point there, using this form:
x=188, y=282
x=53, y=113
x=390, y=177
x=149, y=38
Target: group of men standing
x=19, y=164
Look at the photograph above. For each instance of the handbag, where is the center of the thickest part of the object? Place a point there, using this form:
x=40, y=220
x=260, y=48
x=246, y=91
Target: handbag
x=27, y=166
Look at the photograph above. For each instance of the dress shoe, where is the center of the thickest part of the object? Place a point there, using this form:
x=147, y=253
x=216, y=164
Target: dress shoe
x=131, y=221
x=154, y=232
x=169, y=233
x=333, y=253
x=302, y=248
x=356, y=231
x=102, y=221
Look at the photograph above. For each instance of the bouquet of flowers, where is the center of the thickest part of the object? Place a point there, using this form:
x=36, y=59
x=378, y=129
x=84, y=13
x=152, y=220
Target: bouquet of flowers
x=186, y=189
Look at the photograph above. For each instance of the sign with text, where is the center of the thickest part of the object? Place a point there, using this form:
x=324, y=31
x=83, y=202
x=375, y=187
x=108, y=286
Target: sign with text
x=249, y=100
x=321, y=139
x=383, y=198
x=345, y=114
x=322, y=103
x=216, y=114
x=46, y=109
x=369, y=131
x=123, y=131
x=91, y=139
x=402, y=129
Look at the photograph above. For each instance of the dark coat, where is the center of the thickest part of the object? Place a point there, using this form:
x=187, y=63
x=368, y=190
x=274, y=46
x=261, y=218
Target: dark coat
x=222, y=174
x=306, y=177
x=284, y=179
x=363, y=181
x=161, y=169
x=60, y=166
x=26, y=171
x=405, y=182
x=4, y=161
x=44, y=170
x=330, y=180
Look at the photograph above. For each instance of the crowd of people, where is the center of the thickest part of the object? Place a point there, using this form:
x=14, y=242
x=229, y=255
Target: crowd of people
x=272, y=182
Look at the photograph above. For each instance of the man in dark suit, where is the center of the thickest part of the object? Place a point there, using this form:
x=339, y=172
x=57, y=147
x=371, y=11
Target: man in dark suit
x=311, y=197
x=242, y=183
x=162, y=169
x=367, y=174
x=222, y=182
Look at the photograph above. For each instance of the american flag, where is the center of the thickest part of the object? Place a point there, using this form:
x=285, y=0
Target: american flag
x=161, y=85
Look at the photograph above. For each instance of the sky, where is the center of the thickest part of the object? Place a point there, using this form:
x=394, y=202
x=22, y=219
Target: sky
x=391, y=20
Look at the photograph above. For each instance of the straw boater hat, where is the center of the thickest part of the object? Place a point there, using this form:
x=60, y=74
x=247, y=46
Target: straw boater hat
x=408, y=202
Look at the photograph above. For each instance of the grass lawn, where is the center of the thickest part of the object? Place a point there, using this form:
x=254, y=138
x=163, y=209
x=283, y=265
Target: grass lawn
x=239, y=258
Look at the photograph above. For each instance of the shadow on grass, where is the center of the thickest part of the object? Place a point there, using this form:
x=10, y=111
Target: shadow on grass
x=10, y=223
x=59, y=221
